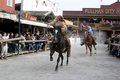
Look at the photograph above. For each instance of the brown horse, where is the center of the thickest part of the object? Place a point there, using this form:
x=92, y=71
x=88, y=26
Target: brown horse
x=89, y=42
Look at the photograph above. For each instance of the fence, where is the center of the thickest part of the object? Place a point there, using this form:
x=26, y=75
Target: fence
x=18, y=44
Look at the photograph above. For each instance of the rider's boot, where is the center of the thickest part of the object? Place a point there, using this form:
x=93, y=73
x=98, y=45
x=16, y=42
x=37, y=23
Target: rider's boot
x=94, y=42
x=82, y=42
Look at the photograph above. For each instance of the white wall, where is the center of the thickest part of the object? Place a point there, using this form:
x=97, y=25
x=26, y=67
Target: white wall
x=39, y=5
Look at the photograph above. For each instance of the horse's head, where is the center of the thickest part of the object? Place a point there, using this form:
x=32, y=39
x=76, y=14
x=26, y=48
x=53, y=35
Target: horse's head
x=58, y=36
x=87, y=33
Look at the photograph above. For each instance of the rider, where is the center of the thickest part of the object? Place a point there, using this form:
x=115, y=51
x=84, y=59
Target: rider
x=59, y=22
x=86, y=27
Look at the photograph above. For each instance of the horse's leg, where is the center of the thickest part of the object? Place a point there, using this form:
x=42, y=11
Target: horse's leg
x=68, y=54
x=90, y=49
x=94, y=46
x=51, y=54
x=62, y=60
x=56, y=68
x=86, y=48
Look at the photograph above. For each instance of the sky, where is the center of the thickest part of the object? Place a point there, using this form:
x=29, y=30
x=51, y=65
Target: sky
x=79, y=4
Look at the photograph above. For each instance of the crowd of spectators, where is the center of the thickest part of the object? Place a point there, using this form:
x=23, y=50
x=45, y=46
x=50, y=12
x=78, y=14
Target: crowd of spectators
x=22, y=45
x=109, y=23
x=114, y=45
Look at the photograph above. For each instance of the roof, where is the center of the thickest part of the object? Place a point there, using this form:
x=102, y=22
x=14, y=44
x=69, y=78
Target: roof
x=71, y=13
x=35, y=23
x=40, y=13
x=113, y=10
x=115, y=5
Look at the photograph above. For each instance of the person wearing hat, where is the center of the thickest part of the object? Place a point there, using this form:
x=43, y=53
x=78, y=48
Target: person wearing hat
x=86, y=27
x=59, y=22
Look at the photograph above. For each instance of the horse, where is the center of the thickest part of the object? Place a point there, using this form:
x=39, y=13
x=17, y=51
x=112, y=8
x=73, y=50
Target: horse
x=58, y=45
x=89, y=42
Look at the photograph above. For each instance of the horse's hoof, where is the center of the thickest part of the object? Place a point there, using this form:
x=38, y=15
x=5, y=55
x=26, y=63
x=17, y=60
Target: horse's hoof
x=61, y=65
x=56, y=69
x=67, y=64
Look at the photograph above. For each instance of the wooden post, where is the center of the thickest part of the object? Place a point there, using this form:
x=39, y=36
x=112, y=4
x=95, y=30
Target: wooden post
x=78, y=21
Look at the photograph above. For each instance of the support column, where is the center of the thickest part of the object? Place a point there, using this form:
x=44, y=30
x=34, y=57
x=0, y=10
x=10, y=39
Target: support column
x=78, y=21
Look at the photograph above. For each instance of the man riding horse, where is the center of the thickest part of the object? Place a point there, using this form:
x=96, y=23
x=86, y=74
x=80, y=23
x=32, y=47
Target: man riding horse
x=60, y=42
x=59, y=22
x=86, y=27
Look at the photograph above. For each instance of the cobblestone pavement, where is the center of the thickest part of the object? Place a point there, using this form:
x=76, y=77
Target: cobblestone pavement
x=36, y=66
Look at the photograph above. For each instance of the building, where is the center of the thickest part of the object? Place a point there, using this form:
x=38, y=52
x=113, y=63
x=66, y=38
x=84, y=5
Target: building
x=42, y=9
x=12, y=22
x=106, y=13
x=7, y=6
x=7, y=15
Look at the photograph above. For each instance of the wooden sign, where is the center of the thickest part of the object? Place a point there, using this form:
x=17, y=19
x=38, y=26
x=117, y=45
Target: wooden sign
x=101, y=11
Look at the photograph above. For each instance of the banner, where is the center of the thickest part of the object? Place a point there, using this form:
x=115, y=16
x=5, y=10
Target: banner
x=40, y=5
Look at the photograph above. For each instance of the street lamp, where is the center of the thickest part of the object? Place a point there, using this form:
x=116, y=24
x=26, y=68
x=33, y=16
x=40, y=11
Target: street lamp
x=19, y=26
x=19, y=16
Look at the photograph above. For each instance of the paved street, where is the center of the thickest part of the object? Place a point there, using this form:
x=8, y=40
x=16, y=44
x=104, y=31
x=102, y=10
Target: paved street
x=36, y=66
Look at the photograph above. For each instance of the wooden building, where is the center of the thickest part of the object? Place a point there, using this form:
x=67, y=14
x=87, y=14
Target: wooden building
x=95, y=15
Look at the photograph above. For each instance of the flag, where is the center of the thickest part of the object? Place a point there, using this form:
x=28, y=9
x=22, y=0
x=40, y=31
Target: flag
x=101, y=2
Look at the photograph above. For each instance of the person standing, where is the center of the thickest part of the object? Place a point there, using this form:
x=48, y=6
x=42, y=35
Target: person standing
x=4, y=46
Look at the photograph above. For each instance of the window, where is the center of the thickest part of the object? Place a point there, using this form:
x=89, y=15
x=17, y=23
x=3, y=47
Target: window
x=10, y=3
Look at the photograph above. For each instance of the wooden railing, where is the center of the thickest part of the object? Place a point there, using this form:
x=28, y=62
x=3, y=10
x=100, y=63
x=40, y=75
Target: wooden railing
x=20, y=40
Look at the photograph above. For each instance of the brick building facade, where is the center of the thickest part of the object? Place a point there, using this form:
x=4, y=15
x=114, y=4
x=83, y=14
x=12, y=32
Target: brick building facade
x=7, y=6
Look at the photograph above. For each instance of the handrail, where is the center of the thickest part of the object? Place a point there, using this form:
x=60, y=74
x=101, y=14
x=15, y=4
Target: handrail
x=9, y=40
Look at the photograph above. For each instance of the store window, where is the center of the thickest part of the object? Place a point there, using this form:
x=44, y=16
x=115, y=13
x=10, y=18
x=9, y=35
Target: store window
x=10, y=3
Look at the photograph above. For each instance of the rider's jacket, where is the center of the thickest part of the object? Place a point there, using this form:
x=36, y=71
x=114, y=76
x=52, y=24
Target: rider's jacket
x=88, y=28
x=60, y=24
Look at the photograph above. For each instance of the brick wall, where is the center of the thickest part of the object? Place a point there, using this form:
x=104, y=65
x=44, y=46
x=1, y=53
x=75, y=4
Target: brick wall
x=7, y=6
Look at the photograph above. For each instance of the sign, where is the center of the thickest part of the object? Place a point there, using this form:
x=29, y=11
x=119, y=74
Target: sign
x=41, y=5
x=101, y=11
x=35, y=5
x=32, y=18
x=26, y=15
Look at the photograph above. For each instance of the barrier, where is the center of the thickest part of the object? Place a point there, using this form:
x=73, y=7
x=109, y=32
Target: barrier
x=9, y=40
x=44, y=41
x=20, y=40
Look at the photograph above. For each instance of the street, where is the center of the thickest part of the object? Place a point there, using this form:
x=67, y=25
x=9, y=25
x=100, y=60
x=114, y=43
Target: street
x=37, y=66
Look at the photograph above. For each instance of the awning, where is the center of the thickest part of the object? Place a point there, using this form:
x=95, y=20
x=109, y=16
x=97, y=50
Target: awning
x=40, y=13
x=8, y=16
x=28, y=22
x=41, y=24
